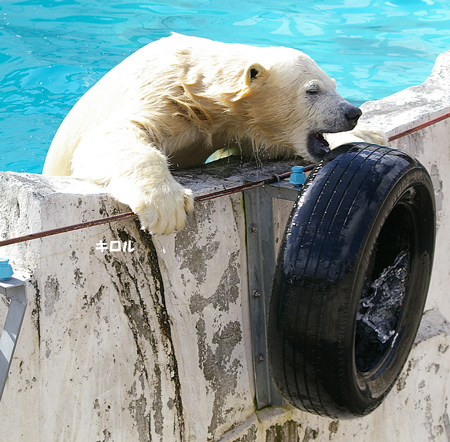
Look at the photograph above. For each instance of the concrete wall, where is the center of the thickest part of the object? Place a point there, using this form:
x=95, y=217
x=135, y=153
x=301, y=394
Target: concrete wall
x=153, y=343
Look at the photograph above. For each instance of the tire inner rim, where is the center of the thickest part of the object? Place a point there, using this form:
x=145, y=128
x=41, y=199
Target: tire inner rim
x=383, y=296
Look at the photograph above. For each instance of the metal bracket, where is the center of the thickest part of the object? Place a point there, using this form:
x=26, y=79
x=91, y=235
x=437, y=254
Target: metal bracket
x=14, y=291
x=261, y=262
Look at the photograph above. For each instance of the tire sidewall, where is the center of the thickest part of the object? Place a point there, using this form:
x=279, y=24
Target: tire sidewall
x=370, y=389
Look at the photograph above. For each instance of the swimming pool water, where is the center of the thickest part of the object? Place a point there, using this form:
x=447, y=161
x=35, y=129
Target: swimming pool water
x=52, y=51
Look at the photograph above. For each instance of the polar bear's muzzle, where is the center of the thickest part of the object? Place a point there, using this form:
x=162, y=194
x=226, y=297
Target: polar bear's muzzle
x=348, y=116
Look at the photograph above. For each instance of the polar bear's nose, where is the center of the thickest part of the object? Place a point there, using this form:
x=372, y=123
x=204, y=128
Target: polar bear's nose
x=353, y=113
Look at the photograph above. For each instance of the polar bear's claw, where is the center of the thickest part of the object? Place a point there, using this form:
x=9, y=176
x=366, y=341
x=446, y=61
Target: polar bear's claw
x=166, y=214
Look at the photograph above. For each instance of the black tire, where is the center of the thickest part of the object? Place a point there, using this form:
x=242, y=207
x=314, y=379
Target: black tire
x=337, y=343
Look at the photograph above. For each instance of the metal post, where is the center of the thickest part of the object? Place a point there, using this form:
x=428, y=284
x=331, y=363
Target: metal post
x=261, y=262
x=14, y=291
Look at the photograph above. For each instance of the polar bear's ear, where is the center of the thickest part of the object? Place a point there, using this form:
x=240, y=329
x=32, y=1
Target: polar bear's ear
x=253, y=71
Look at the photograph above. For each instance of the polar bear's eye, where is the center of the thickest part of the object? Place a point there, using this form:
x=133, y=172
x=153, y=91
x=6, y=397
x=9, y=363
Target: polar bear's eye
x=313, y=89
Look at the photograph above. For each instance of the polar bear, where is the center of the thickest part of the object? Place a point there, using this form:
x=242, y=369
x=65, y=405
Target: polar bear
x=176, y=101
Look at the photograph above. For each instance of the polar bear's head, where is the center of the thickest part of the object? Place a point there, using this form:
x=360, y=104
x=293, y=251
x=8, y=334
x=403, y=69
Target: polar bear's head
x=196, y=91
x=291, y=102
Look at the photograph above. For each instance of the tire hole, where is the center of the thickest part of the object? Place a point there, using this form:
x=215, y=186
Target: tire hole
x=382, y=300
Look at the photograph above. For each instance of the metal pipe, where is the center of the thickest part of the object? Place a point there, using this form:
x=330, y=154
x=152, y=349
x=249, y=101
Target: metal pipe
x=125, y=215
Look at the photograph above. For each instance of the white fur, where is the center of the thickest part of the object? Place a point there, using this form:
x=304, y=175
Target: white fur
x=179, y=99
x=360, y=133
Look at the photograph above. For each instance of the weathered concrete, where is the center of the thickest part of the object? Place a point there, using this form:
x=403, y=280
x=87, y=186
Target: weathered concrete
x=154, y=344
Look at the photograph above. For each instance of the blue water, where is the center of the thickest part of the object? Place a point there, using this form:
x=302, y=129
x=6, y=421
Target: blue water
x=52, y=51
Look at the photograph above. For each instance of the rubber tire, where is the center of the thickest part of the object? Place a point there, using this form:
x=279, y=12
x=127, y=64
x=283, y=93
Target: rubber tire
x=360, y=207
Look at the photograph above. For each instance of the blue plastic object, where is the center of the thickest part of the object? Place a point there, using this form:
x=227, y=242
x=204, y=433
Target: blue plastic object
x=6, y=270
x=298, y=177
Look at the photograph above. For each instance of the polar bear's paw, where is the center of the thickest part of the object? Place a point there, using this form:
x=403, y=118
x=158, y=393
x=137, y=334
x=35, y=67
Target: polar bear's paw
x=362, y=132
x=163, y=209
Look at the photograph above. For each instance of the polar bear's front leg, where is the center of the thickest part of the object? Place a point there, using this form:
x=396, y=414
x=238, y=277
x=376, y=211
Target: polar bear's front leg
x=362, y=132
x=154, y=195
x=136, y=173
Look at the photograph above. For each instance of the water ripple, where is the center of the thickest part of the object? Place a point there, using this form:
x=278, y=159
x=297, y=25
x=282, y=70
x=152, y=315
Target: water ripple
x=52, y=51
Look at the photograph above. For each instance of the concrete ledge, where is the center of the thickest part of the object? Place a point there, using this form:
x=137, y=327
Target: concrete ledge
x=129, y=337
